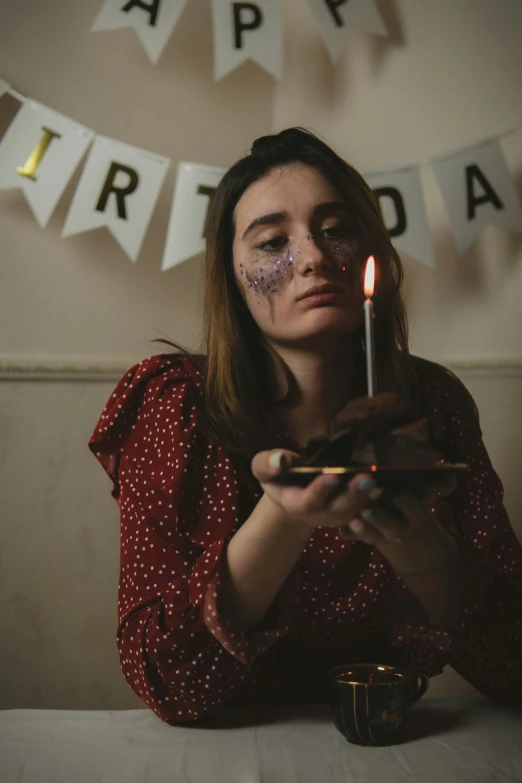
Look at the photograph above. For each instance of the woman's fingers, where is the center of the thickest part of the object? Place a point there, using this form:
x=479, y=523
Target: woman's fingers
x=318, y=494
x=360, y=491
x=443, y=484
x=346, y=501
x=411, y=506
x=447, y=483
x=266, y=465
x=389, y=525
x=328, y=501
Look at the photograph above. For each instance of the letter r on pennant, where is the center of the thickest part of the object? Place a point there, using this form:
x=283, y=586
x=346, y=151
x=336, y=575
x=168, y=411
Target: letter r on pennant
x=120, y=192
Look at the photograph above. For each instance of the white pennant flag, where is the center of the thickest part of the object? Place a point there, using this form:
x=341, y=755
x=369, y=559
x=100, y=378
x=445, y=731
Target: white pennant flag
x=244, y=31
x=195, y=185
x=39, y=153
x=118, y=189
x=153, y=20
x=402, y=206
x=336, y=17
x=478, y=189
x=3, y=87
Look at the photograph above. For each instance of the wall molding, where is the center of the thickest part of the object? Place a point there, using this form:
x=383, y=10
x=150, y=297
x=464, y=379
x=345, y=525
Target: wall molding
x=101, y=370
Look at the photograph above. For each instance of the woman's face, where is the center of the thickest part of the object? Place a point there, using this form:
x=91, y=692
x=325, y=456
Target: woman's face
x=293, y=233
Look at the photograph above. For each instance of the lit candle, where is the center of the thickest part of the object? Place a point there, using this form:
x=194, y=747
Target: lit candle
x=369, y=284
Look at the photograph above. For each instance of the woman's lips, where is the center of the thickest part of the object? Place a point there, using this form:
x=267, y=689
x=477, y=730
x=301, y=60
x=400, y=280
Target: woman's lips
x=316, y=300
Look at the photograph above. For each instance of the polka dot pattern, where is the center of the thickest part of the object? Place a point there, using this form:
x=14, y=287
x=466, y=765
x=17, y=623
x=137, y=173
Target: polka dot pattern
x=181, y=502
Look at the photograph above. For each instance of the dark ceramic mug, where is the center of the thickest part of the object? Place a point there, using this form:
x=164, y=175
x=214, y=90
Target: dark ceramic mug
x=369, y=700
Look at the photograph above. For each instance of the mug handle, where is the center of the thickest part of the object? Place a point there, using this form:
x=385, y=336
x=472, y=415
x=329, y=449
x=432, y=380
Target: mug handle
x=422, y=687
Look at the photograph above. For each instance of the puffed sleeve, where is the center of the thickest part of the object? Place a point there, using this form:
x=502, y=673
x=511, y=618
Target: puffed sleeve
x=178, y=499
x=486, y=647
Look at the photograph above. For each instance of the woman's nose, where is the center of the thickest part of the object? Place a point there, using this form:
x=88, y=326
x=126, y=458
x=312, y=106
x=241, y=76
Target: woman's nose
x=310, y=256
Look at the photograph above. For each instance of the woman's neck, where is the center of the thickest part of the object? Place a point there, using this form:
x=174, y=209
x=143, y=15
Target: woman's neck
x=324, y=381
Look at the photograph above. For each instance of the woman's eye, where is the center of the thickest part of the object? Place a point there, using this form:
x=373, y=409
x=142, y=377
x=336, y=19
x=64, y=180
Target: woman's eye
x=276, y=243
x=335, y=232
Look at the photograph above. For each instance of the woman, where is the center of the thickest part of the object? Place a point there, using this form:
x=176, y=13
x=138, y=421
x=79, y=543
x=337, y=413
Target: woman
x=235, y=589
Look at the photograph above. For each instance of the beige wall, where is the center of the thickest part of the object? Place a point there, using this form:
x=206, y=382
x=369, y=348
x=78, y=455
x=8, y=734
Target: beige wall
x=449, y=76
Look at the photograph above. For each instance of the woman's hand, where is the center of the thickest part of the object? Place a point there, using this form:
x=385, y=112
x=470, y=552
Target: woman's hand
x=354, y=508
x=324, y=502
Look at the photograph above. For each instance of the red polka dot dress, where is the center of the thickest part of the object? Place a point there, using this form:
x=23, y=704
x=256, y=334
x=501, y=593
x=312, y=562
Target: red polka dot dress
x=181, y=502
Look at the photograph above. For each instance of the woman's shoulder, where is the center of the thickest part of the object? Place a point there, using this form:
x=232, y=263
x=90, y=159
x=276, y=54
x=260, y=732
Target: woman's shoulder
x=171, y=383
x=441, y=390
x=437, y=377
x=167, y=368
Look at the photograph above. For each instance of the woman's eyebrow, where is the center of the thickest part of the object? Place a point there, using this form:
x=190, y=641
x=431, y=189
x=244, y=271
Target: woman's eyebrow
x=273, y=218
x=267, y=220
x=328, y=207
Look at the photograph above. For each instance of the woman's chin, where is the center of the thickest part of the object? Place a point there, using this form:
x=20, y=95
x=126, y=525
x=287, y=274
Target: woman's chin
x=325, y=331
x=330, y=320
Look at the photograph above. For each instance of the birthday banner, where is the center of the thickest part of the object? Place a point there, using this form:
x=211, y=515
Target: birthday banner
x=120, y=184
x=242, y=31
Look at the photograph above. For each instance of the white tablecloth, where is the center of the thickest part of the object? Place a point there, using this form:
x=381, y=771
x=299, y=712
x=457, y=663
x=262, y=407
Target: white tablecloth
x=443, y=740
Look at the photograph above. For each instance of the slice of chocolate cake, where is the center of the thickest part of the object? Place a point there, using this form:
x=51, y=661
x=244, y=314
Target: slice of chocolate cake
x=381, y=431
x=383, y=435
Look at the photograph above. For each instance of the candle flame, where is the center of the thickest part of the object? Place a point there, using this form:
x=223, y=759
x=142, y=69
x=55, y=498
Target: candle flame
x=369, y=277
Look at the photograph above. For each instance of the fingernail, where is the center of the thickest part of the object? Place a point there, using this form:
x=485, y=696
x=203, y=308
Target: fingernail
x=274, y=460
x=357, y=527
x=375, y=494
x=366, y=484
x=369, y=515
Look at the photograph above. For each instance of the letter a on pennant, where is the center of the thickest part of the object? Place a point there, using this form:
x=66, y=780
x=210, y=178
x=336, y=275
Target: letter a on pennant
x=247, y=31
x=335, y=17
x=478, y=189
x=153, y=20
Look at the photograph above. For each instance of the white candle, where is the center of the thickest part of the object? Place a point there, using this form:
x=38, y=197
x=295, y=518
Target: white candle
x=369, y=280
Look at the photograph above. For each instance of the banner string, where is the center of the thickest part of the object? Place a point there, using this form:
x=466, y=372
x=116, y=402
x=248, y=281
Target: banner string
x=514, y=129
x=16, y=95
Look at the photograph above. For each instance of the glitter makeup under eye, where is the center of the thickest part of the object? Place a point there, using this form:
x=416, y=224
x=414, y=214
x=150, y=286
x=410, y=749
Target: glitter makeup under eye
x=344, y=254
x=268, y=273
x=269, y=276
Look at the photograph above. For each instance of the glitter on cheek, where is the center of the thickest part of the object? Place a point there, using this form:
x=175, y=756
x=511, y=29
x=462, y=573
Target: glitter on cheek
x=270, y=277
x=345, y=253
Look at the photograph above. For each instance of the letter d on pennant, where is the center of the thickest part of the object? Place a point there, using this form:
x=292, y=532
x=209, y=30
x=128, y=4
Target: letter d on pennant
x=152, y=9
x=35, y=158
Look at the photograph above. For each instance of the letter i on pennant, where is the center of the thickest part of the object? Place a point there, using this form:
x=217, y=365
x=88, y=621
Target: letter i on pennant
x=33, y=161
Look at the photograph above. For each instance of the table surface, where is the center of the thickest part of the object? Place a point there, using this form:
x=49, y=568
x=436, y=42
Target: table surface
x=442, y=740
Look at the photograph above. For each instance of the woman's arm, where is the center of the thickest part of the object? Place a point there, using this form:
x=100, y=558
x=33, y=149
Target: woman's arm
x=260, y=557
x=485, y=645
x=179, y=502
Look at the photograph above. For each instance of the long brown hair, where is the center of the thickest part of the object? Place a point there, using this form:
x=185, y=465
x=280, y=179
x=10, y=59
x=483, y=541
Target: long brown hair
x=238, y=362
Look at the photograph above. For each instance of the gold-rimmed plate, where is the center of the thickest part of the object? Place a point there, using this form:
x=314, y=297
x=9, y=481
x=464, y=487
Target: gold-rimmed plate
x=303, y=475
